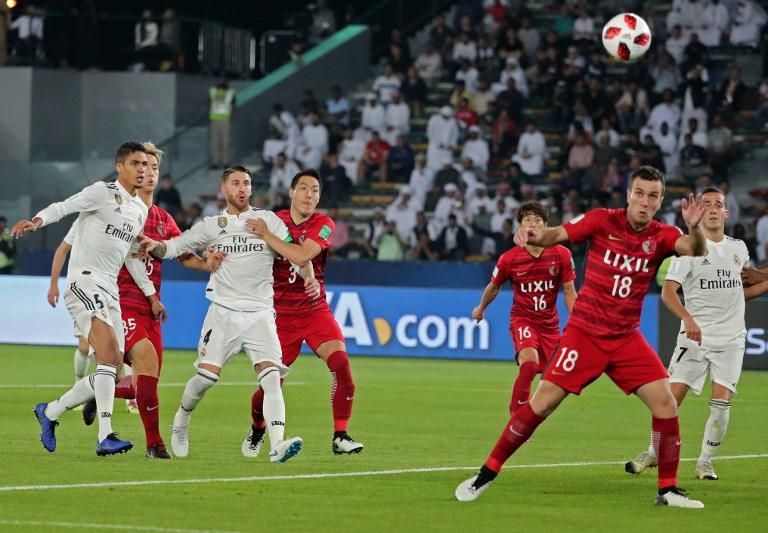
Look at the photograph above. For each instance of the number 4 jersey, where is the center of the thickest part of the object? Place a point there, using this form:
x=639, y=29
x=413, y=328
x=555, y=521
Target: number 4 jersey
x=289, y=285
x=620, y=264
x=535, y=281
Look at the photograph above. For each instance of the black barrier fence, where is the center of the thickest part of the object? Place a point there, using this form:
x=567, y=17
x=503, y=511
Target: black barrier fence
x=756, y=353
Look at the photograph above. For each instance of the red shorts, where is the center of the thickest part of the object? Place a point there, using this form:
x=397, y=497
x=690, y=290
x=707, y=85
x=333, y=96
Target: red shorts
x=581, y=358
x=137, y=327
x=315, y=327
x=525, y=334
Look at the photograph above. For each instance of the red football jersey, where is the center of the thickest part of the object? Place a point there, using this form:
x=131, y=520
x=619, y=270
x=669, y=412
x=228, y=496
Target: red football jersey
x=289, y=285
x=160, y=226
x=535, y=281
x=620, y=264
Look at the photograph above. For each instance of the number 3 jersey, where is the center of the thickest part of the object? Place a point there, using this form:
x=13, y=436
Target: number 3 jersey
x=159, y=226
x=289, y=285
x=620, y=265
x=713, y=292
x=244, y=280
x=535, y=282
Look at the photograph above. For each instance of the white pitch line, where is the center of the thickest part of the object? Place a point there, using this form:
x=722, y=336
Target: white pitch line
x=120, y=527
x=331, y=475
x=69, y=385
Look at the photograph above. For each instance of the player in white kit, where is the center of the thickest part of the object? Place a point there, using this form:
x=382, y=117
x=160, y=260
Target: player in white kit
x=241, y=315
x=712, y=329
x=110, y=219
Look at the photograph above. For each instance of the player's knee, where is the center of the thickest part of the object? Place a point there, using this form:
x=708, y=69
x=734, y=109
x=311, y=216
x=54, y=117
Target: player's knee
x=82, y=345
x=203, y=380
x=269, y=379
x=665, y=406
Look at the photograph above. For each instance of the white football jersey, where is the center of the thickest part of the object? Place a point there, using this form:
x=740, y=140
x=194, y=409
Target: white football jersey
x=110, y=220
x=244, y=280
x=713, y=291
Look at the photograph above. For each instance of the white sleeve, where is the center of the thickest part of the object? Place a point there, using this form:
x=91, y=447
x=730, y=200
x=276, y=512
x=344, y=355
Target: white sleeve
x=191, y=240
x=138, y=271
x=678, y=270
x=278, y=227
x=91, y=198
x=69, y=238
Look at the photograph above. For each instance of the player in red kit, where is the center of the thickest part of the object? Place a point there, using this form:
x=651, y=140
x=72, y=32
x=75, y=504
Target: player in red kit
x=302, y=318
x=626, y=248
x=536, y=275
x=142, y=313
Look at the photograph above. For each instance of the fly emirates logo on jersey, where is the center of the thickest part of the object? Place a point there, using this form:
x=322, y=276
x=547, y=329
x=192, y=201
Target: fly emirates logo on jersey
x=400, y=328
x=240, y=244
x=125, y=233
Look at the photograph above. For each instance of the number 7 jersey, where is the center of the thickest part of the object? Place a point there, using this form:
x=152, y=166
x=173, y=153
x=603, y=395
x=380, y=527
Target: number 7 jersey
x=289, y=285
x=620, y=265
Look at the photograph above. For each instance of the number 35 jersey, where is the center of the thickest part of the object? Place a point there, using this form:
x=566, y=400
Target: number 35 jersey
x=289, y=285
x=244, y=280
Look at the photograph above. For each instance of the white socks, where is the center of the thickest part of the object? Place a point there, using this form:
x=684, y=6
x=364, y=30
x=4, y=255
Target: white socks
x=714, y=430
x=274, y=404
x=193, y=393
x=104, y=388
x=81, y=362
x=81, y=392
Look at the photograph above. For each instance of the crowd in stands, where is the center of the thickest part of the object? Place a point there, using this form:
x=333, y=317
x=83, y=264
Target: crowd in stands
x=518, y=85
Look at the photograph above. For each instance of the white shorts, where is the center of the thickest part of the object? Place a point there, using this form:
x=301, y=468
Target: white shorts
x=226, y=332
x=690, y=363
x=85, y=300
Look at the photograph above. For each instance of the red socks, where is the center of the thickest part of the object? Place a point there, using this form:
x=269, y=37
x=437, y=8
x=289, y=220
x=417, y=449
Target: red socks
x=521, y=390
x=124, y=388
x=517, y=431
x=342, y=389
x=149, y=408
x=666, y=440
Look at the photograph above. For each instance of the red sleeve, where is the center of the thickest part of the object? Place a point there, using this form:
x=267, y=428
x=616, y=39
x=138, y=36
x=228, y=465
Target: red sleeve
x=585, y=226
x=500, y=273
x=669, y=236
x=322, y=231
x=172, y=229
x=567, y=266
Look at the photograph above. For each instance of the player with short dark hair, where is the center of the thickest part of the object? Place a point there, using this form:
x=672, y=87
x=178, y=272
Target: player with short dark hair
x=536, y=275
x=302, y=318
x=602, y=336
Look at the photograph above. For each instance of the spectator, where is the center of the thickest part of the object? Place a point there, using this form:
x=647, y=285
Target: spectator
x=530, y=37
x=397, y=119
x=7, y=247
x=429, y=65
x=632, y=107
x=482, y=97
x=376, y=227
x=531, y=150
x=350, y=152
x=699, y=136
x=676, y=43
x=476, y=148
x=170, y=41
x=720, y=146
x=282, y=173
x=453, y=242
x=716, y=21
x=422, y=226
x=584, y=26
x=581, y=155
x=145, y=39
x=414, y=90
x=693, y=159
x=442, y=137
x=314, y=143
x=421, y=181
x=423, y=250
x=273, y=145
x=504, y=133
x=336, y=183
x=386, y=85
x=222, y=109
x=732, y=204
x=500, y=214
x=464, y=48
x=480, y=200
x=338, y=108
x=373, y=116
x=607, y=135
x=400, y=161
x=650, y=152
x=447, y=204
x=374, y=159
x=469, y=75
x=29, y=35
x=511, y=100
x=340, y=233
x=403, y=212
x=465, y=116
x=495, y=15
x=505, y=239
x=323, y=22
x=761, y=234
x=459, y=91
x=390, y=246
x=665, y=74
x=440, y=34
x=668, y=145
x=747, y=24
x=731, y=93
x=167, y=195
x=514, y=71
x=396, y=57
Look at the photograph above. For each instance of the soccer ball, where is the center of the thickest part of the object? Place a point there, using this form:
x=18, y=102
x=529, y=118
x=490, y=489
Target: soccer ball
x=626, y=37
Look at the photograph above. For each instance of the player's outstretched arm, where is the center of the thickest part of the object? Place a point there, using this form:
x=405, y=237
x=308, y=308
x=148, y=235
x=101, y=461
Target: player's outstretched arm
x=489, y=294
x=59, y=256
x=297, y=254
x=751, y=276
x=670, y=297
x=569, y=291
x=209, y=262
x=540, y=236
x=694, y=243
x=756, y=289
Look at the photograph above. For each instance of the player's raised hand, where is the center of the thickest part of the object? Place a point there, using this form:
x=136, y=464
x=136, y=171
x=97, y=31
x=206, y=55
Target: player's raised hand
x=146, y=245
x=692, y=330
x=24, y=225
x=692, y=210
x=477, y=314
x=257, y=226
x=53, y=295
x=213, y=259
x=525, y=234
x=312, y=287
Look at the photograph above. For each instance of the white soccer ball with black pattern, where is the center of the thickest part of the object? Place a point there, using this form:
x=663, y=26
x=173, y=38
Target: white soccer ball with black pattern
x=626, y=37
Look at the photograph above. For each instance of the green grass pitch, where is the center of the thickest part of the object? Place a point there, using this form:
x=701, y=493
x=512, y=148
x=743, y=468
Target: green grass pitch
x=412, y=415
